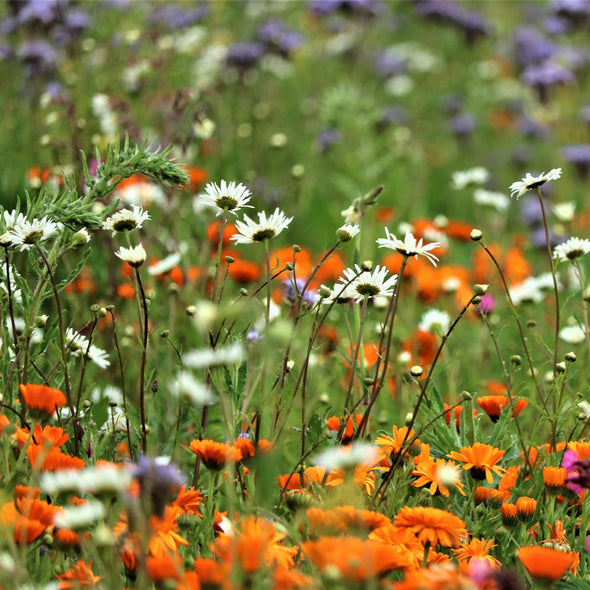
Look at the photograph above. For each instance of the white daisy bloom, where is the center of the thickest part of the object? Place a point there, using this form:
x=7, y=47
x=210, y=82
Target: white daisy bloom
x=572, y=249
x=79, y=346
x=105, y=479
x=572, y=334
x=361, y=284
x=142, y=194
x=529, y=182
x=498, y=201
x=227, y=197
x=464, y=178
x=110, y=392
x=347, y=457
x=351, y=215
x=564, y=212
x=134, y=256
x=126, y=220
x=435, y=319
x=267, y=227
x=79, y=517
x=187, y=386
x=526, y=292
x=209, y=357
x=409, y=246
x=12, y=218
x=64, y=481
x=26, y=233
x=346, y=232
x=165, y=265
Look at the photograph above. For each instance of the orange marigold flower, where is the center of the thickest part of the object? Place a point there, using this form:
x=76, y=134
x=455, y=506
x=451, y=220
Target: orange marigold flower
x=493, y=405
x=254, y=543
x=21, y=491
x=189, y=500
x=482, y=494
x=344, y=519
x=167, y=566
x=443, y=576
x=438, y=475
x=508, y=513
x=215, y=455
x=393, y=444
x=78, y=576
x=210, y=572
x=356, y=558
x=298, y=481
x=545, y=563
x=335, y=424
x=402, y=537
x=480, y=460
x=290, y=579
x=478, y=549
x=432, y=525
x=66, y=539
x=41, y=400
x=525, y=508
x=554, y=479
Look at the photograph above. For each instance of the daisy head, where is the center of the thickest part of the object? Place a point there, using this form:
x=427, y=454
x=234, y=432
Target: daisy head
x=250, y=231
x=409, y=246
x=530, y=182
x=364, y=284
x=571, y=249
x=227, y=197
x=126, y=220
x=26, y=233
x=135, y=255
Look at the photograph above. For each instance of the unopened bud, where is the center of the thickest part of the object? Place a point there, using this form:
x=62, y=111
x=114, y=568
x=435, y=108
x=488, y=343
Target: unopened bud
x=324, y=292
x=289, y=265
x=480, y=289
x=230, y=259
x=164, y=333
x=244, y=292
x=516, y=360
x=296, y=248
x=191, y=310
x=367, y=265
x=476, y=300
x=94, y=308
x=466, y=396
x=571, y=357
x=531, y=324
x=476, y=235
x=416, y=371
x=371, y=197
x=560, y=367
x=408, y=418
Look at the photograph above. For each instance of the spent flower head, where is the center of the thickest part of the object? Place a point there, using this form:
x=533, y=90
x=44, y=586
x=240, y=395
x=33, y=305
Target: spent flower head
x=409, y=246
x=227, y=197
x=126, y=220
x=249, y=231
x=529, y=182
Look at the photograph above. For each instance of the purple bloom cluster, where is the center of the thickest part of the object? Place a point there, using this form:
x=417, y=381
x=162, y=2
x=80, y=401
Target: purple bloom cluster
x=173, y=16
x=324, y=7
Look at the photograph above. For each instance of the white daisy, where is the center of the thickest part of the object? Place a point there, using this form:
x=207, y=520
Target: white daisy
x=12, y=218
x=526, y=292
x=209, y=357
x=267, y=227
x=362, y=284
x=529, y=182
x=498, y=201
x=165, y=265
x=348, y=457
x=64, y=481
x=564, y=212
x=227, y=197
x=126, y=220
x=464, y=178
x=26, y=233
x=79, y=517
x=572, y=334
x=187, y=386
x=434, y=320
x=572, y=249
x=409, y=246
x=346, y=232
x=134, y=256
x=78, y=346
x=104, y=479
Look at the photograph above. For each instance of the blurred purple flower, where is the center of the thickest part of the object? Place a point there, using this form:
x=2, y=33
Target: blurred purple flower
x=327, y=138
x=533, y=129
x=324, y=7
x=173, y=16
x=45, y=12
x=576, y=10
x=575, y=480
x=531, y=213
x=387, y=64
x=579, y=156
x=279, y=37
x=392, y=115
x=244, y=54
x=292, y=294
x=488, y=303
x=39, y=57
x=556, y=26
x=532, y=48
x=158, y=481
x=545, y=76
x=539, y=240
x=463, y=124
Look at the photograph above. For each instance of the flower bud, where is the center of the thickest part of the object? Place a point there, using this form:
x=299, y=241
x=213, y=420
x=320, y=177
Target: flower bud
x=296, y=248
x=466, y=396
x=476, y=235
x=516, y=360
x=416, y=371
x=571, y=357
x=367, y=265
x=230, y=259
x=480, y=289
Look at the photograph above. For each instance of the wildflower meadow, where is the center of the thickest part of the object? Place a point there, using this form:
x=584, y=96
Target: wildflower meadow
x=294, y=294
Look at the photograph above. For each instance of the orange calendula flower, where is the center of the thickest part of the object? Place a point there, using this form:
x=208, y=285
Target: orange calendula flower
x=215, y=455
x=356, y=558
x=525, y=508
x=432, y=525
x=480, y=460
x=493, y=405
x=443, y=576
x=508, y=514
x=254, y=543
x=78, y=576
x=335, y=423
x=344, y=519
x=545, y=563
x=554, y=480
x=298, y=481
x=392, y=444
x=189, y=500
x=402, y=537
x=476, y=549
x=42, y=401
x=438, y=475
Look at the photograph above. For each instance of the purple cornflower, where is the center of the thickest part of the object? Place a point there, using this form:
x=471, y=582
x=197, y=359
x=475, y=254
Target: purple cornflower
x=293, y=292
x=327, y=138
x=539, y=239
x=530, y=47
x=324, y=7
x=387, y=64
x=158, y=481
x=579, y=156
x=463, y=125
x=545, y=76
x=277, y=36
x=530, y=211
x=174, y=17
x=244, y=55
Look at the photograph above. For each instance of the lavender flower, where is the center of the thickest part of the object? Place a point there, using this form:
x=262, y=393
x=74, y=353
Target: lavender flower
x=244, y=55
x=545, y=76
x=579, y=156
